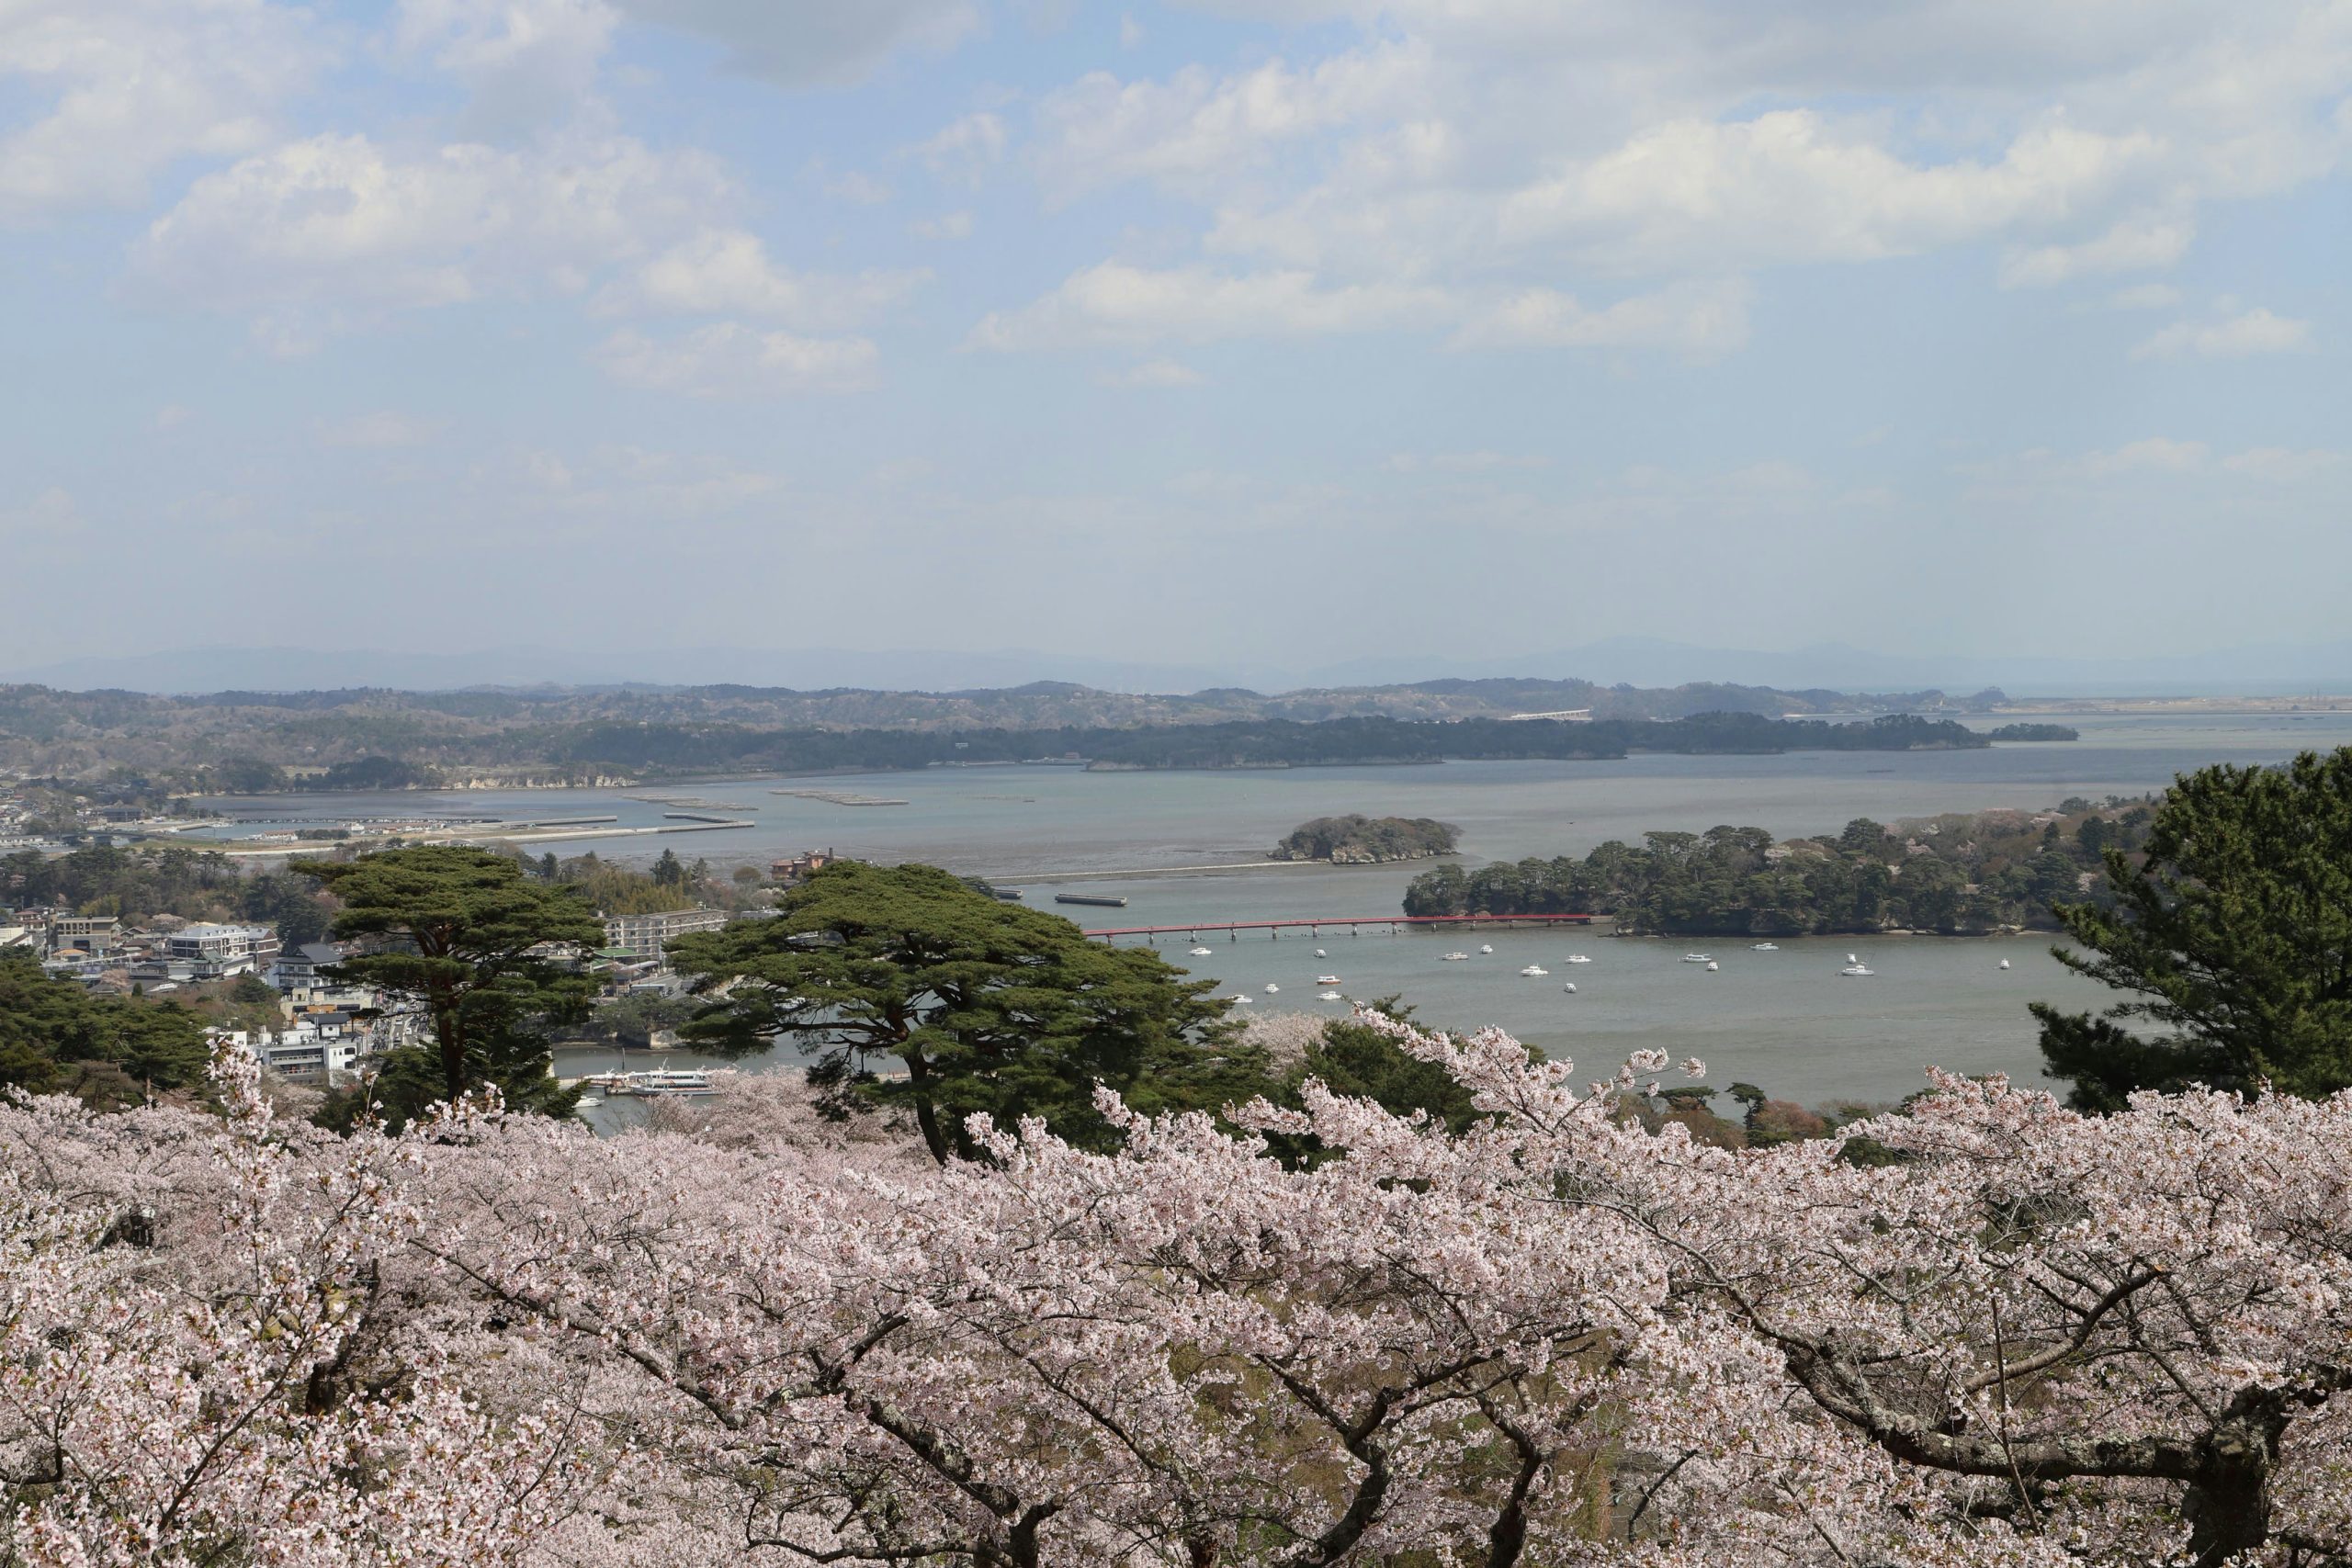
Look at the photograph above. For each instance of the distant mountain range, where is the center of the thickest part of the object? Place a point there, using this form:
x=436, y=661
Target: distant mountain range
x=2266, y=670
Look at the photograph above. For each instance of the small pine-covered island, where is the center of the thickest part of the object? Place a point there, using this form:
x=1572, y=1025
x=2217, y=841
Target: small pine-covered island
x=2034, y=732
x=1366, y=841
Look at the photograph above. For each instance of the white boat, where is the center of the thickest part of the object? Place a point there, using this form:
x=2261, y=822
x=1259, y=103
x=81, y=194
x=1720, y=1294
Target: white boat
x=658, y=1083
x=1204, y=952
x=1764, y=947
x=1326, y=979
x=1712, y=967
x=1578, y=958
x=1570, y=987
x=1320, y=953
x=1272, y=988
x=2005, y=963
x=1330, y=997
x=1535, y=969
x=1696, y=958
x=1454, y=957
x=1241, y=996
x=1857, y=969
x=1487, y=949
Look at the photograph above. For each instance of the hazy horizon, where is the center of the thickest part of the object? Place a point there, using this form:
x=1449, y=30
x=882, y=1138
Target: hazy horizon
x=1176, y=335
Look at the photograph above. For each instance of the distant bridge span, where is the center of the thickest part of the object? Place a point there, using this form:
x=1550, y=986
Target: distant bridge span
x=1316, y=925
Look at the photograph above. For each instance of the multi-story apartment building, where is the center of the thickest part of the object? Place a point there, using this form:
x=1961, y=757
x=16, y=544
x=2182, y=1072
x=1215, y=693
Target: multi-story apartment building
x=214, y=953
x=645, y=936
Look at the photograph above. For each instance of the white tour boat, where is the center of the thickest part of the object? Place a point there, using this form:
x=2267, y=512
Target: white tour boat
x=1535, y=969
x=1578, y=958
x=658, y=1083
x=1857, y=969
x=1326, y=979
x=1696, y=958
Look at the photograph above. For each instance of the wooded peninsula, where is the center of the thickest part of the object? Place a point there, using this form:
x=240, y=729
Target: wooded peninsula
x=1954, y=875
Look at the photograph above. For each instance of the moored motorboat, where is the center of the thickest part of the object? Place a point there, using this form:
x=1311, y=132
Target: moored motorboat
x=1326, y=979
x=1329, y=997
x=1578, y=958
x=1320, y=953
x=1204, y=952
x=1696, y=958
x=1764, y=947
x=1241, y=996
x=1488, y=948
x=1857, y=969
x=1455, y=957
x=1533, y=969
x=1570, y=987
x=1272, y=988
x=1712, y=967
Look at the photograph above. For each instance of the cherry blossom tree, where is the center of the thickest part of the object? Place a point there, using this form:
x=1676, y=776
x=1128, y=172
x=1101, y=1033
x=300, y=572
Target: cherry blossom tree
x=1561, y=1333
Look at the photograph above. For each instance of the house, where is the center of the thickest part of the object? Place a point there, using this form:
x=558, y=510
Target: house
x=798, y=868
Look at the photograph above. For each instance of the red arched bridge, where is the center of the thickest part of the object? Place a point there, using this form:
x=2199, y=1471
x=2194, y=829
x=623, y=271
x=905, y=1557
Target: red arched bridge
x=1351, y=924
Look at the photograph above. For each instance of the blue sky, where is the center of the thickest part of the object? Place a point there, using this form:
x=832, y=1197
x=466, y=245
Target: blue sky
x=1289, y=332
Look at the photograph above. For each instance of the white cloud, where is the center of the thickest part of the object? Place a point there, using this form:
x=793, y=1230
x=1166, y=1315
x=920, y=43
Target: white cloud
x=2257, y=331
x=965, y=150
x=1154, y=373
x=1792, y=185
x=1199, y=130
x=383, y=428
x=857, y=188
x=946, y=225
x=528, y=62
x=1463, y=462
x=726, y=271
x=1697, y=318
x=1115, y=303
x=123, y=89
x=316, y=233
x=2280, y=465
x=800, y=43
x=2134, y=245
x=2157, y=454
x=2145, y=297
x=730, y=359
x=626, y=483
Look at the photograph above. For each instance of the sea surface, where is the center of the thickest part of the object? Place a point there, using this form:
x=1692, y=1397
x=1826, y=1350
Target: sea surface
x=1786, y=1020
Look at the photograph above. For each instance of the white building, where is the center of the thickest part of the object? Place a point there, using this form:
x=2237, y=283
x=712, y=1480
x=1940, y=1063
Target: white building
x=215, y=952
x=646, y=936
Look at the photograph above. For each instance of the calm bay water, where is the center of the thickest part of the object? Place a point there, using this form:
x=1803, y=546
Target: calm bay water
x=1786, y=1020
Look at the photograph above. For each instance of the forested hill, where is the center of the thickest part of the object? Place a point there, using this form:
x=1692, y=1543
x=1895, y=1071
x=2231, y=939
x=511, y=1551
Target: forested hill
x=53, y=733
x=610, y=751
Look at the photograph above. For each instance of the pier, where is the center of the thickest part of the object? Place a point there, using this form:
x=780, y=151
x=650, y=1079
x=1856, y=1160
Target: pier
x=1315, y=925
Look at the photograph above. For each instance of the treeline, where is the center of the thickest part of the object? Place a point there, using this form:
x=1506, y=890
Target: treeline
x=2034, y=732
x=110, y=879
x=653, y=749
x=1950, y=874
x=57, y=1039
